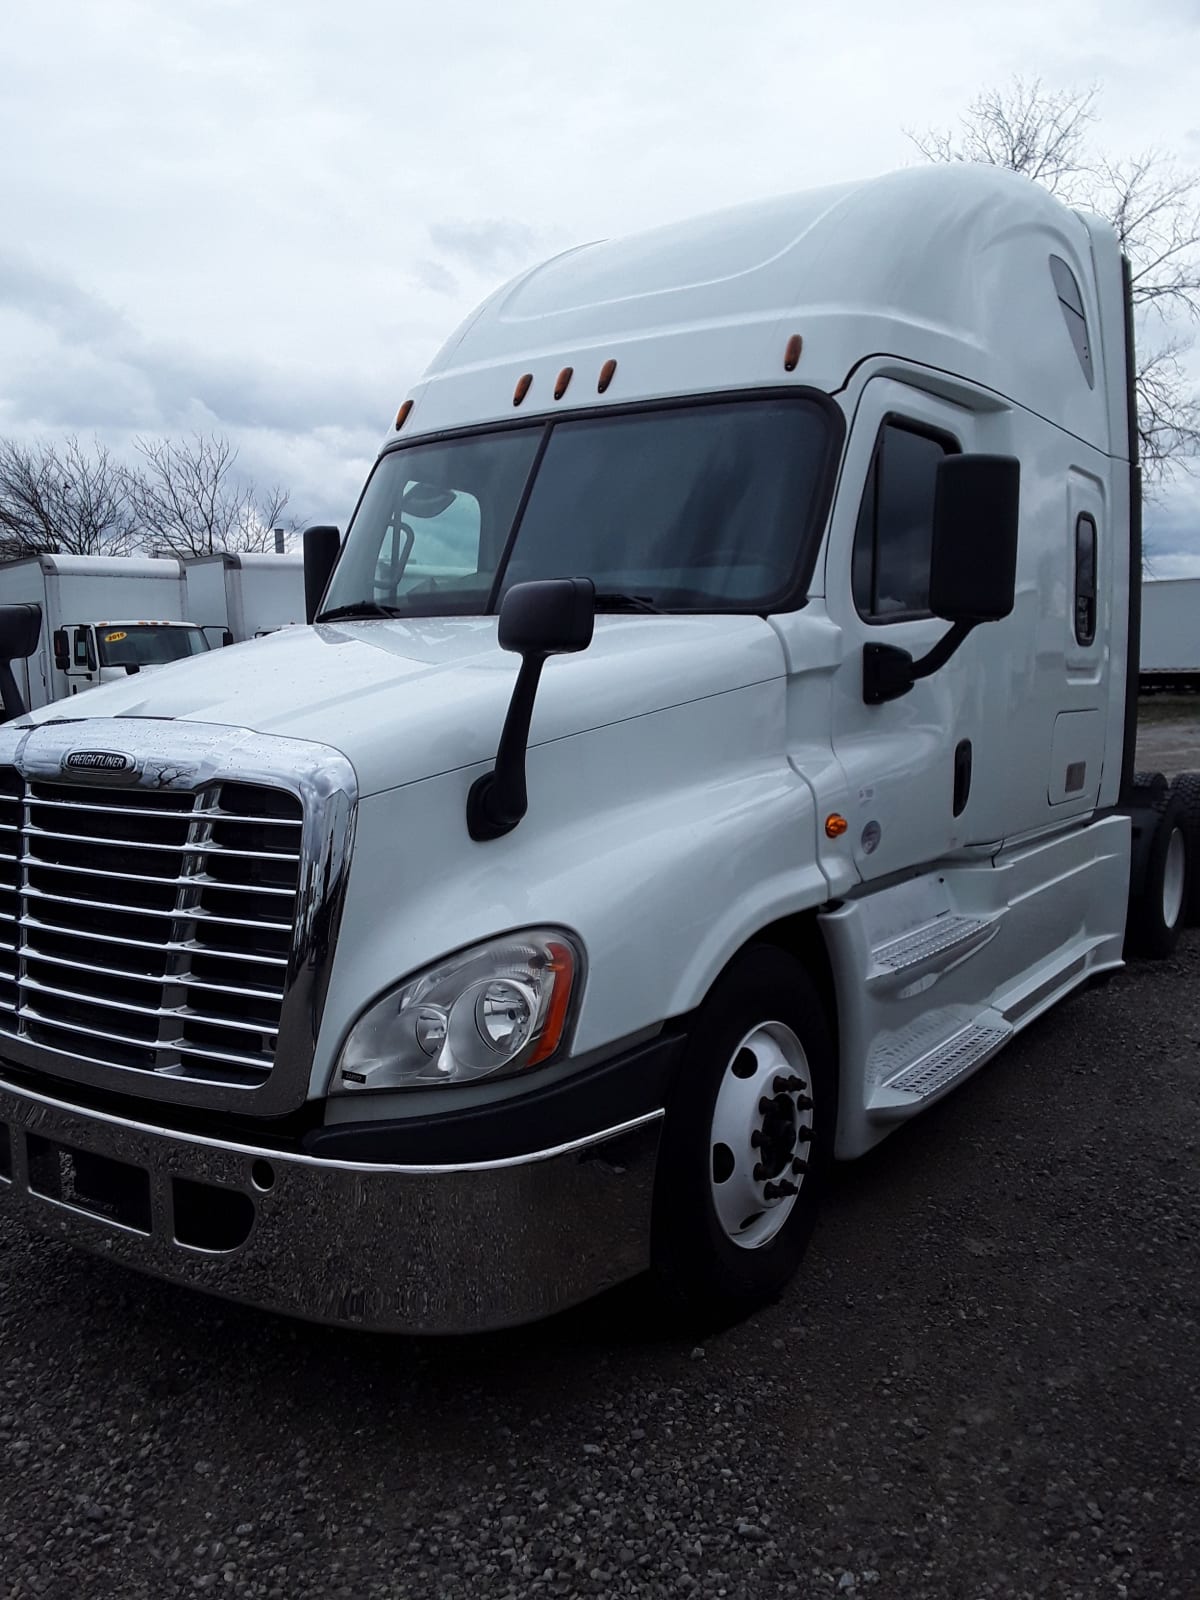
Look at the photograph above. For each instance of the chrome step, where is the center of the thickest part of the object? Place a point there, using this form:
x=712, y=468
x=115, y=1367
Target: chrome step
x=931, y=1074
x=937, y=944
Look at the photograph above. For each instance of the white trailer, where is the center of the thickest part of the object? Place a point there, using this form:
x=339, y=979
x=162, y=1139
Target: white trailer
x=103, y=618
x=401, y=983
x=1170, y=633
x=245, y=596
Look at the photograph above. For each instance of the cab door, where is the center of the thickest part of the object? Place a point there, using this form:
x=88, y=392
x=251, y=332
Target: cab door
x=912, y=763
x=83, y=671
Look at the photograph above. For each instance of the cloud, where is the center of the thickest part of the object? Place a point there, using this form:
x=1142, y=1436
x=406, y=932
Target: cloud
x=485, y=245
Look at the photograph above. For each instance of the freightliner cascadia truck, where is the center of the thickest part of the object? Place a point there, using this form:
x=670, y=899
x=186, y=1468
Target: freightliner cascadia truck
x=712, y=742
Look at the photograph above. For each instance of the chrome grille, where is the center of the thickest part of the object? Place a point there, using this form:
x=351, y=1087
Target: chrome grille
x=149, y=928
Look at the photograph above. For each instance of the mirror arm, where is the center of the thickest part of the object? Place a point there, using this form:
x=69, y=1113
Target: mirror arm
x=889, y=672
x=498, y=800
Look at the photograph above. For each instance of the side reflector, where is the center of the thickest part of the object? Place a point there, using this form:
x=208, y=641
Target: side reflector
x=402, y=414
x=522, y=388
x=835, y=825
x=606, y=376
x=563, y=968
x=791, y=356
x=561, y=382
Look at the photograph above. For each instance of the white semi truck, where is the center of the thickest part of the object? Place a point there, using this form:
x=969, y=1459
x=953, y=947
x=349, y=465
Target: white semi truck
x=1170, y=654
x=103, y=619
x=370, y=973
x=245, y=596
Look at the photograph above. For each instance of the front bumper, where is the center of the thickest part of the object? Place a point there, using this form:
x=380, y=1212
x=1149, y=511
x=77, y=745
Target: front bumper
x=449, y=1248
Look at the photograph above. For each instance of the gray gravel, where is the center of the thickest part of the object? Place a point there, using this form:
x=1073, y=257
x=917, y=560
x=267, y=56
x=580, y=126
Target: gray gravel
x=983, y=1383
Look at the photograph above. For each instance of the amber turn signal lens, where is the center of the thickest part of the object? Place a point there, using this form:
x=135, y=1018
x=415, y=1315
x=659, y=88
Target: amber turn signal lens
x=835, y=825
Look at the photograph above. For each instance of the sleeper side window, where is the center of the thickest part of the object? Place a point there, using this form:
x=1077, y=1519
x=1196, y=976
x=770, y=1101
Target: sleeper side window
x=1085, y=580
x=893, y=540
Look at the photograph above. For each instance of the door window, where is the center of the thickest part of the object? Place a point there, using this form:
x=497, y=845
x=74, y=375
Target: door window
x=81, y=649
x=893, y=541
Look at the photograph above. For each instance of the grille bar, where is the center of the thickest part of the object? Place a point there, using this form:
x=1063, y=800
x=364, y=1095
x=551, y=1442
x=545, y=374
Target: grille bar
x=188, y=905
x=194, y=882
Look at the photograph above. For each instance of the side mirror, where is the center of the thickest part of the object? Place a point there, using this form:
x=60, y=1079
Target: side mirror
x=20, y=627
x=537, y=620
x=226, y=637
x=973, y=567
x=973, y=575
x=90, y=641
x=321, y=547
x=62, y=650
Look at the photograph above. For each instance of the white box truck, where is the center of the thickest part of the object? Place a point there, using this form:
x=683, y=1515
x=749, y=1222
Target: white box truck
x=370, y=973
x=103, y=619
x=1170, y=655
x=245, y=596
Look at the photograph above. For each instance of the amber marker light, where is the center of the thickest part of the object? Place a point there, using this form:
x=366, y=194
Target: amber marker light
x=791, y=355
x=402, y=414
x=835, y=825
x=561, y=382
x=563, y=967
x=606, y=376
x=522, y=388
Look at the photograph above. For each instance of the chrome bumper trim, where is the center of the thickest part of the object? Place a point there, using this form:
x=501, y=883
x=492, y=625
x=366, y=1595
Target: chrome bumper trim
x=415, y=1249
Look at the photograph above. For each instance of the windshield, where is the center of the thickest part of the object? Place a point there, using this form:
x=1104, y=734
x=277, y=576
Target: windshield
x=145, y=644
x=698, y=507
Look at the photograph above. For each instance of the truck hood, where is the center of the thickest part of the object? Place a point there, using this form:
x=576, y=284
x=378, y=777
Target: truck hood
x=408, y=699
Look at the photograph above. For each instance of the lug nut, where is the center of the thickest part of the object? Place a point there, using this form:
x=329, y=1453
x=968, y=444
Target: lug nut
x=755, y=1139
x=780, y=1190
x=803, y=1135
x=788, y=1085
x=799, y=1166
x=760, y=1172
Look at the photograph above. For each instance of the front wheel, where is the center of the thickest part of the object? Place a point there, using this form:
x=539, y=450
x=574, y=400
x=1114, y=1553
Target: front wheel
x=748, y=1139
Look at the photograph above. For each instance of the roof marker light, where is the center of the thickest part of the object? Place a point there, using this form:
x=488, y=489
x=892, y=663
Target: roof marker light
x=606, y=376
x=561, y=382
x=402, y=414
x=791, y=356
x=522, y=388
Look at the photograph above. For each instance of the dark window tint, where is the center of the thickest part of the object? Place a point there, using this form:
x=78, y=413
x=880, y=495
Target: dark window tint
x=698, y=507
x=1071, y=302
x=1085, y=580
x=894, y=537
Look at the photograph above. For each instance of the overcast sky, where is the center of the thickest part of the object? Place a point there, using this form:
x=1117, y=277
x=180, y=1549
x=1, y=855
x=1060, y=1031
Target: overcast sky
x=264, y=217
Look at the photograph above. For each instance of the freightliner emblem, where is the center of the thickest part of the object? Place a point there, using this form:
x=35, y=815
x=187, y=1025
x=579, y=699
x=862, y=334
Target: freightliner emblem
x=113, y=761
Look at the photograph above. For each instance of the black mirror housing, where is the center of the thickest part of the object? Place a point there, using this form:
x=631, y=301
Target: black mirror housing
x=553, y=617
x=20, y=627
x=321, y=547
x=973, y=571
x=62, y=650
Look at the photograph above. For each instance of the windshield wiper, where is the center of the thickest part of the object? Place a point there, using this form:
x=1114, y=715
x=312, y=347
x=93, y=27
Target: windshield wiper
x=613, y=600
x=360, y=608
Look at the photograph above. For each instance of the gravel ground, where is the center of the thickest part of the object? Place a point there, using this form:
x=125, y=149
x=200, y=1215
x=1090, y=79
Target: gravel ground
x=985, y=1382
x=1169, y=733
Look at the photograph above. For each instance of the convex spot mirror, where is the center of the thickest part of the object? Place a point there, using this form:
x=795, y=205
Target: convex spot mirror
x=973, y=571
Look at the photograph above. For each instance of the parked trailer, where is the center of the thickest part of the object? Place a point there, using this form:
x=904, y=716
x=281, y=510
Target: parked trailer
x=1170, y=654
x=815, y=527
x=245, y=595
x=103, y=619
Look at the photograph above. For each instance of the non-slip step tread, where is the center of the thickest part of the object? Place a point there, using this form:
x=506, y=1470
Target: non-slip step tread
x=931, y=939
x=964, y=1050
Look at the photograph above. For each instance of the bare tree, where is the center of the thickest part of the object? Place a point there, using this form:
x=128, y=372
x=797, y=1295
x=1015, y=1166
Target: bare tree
x=189, y=500
x=63, y=498
x=1155, y=210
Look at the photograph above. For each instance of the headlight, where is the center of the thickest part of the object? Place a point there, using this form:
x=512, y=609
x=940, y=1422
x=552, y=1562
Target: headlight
x=498, y=1007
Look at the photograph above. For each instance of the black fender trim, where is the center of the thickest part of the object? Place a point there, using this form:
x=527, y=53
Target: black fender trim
x=617, y=1091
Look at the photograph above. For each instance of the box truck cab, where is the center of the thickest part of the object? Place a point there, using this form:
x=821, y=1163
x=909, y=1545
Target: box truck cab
x=713, y=744
x=76, y=649
x=87, y=654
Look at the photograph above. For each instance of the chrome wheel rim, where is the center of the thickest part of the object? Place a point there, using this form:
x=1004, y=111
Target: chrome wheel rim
x=1174, y=878
x=762, y=1131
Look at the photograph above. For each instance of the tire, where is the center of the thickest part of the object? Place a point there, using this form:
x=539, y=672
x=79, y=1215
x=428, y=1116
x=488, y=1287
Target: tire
x=1158, y=903
x=760, y=1060
x=1186, y=789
